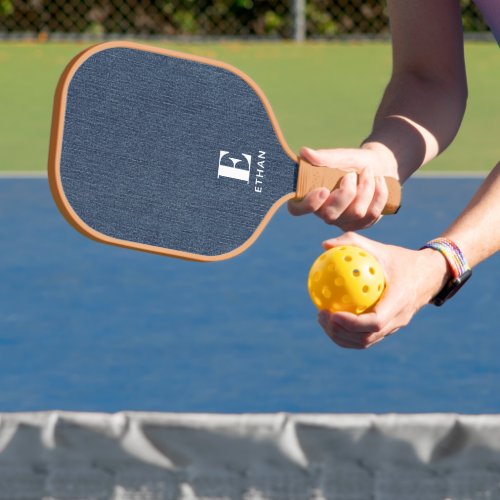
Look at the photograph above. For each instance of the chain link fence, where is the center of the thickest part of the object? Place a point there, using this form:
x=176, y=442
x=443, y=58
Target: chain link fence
x=284, y=19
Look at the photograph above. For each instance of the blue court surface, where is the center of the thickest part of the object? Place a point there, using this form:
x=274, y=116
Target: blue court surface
x=89, y=327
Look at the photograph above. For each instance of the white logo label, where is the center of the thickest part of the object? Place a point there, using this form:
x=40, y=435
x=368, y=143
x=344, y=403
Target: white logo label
x=240, y=172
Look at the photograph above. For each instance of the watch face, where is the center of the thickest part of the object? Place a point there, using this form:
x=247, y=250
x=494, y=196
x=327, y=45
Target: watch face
x=451, y=288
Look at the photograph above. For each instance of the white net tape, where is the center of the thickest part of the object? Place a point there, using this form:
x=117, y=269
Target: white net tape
x=155, y=456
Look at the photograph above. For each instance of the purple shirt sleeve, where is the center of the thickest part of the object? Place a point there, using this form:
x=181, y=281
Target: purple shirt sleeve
x=490, y=9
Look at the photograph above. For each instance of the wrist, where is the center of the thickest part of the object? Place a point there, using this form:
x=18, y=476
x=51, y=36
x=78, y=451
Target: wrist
x=437, y=272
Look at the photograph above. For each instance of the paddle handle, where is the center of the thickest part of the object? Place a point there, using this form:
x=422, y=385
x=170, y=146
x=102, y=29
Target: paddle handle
x=311, y=177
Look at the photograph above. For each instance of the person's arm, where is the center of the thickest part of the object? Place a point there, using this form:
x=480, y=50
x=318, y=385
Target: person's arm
x=477, y=230
x=414, y=277
x=424, y=103
x=419, y=115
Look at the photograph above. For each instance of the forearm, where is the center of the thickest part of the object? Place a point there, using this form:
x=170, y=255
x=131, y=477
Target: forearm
x=416, y=120
x=477, y=230
x=424, y=103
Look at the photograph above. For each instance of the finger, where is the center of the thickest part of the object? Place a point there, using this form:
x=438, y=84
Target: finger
x=357, y=224
x=358, y=209
x=356, y=216
x=344, y=344
x=311, y=203
x=353, y=159
x=362, y=324
x=380, y=197
x=314, y=156
x=373, y=213
x=374, y=342
x=375, y=209
x=393, y=332
x=353, y=341
x=340, y=199
x=362, y=340
x=359, y=341
x=377, y=324
x=338, y=334
x=347, y=338
x=376, y=338
x=342, y=341
x=348, y=238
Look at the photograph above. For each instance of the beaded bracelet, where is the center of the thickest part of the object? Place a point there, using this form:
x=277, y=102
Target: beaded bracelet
x=452, y=254
x=459, y=267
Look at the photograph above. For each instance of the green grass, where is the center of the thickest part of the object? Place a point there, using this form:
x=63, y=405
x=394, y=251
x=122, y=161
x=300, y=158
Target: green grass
x=324, y=95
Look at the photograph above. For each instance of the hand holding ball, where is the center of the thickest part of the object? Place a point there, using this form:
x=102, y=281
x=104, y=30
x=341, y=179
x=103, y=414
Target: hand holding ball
x=346, y=278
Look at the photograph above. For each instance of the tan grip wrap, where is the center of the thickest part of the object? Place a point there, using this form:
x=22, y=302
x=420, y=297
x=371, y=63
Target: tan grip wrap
x=311, y=177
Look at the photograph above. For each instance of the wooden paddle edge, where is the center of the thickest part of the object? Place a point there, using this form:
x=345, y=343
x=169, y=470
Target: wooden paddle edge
x=55, y=147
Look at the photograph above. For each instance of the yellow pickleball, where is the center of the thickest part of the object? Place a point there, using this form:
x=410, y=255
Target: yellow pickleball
x=346, y=278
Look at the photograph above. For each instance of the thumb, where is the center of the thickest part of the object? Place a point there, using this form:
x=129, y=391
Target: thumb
x=313, y=156
x=351, y=159
x=349, y=238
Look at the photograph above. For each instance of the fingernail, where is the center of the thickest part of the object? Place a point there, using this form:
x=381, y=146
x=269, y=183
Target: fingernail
x=324, y=194
x=306, y=150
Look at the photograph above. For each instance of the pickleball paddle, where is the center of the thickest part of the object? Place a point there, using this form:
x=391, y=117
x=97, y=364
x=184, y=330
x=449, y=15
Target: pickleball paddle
x=172, y=153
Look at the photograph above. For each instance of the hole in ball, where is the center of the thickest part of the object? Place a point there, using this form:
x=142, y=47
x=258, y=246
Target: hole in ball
x=346, y=299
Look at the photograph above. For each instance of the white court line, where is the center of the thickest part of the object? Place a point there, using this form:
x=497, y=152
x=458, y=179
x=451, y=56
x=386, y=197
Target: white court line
x=33, y=174
x=453, y=174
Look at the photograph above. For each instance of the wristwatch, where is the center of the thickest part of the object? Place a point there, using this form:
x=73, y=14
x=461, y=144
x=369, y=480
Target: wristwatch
x=460, y=270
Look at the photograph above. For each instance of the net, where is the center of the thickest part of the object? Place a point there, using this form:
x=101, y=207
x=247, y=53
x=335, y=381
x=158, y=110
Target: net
x=158, y=456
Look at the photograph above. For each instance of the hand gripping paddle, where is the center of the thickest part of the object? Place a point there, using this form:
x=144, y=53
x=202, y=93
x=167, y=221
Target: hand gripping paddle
x=172, y=153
